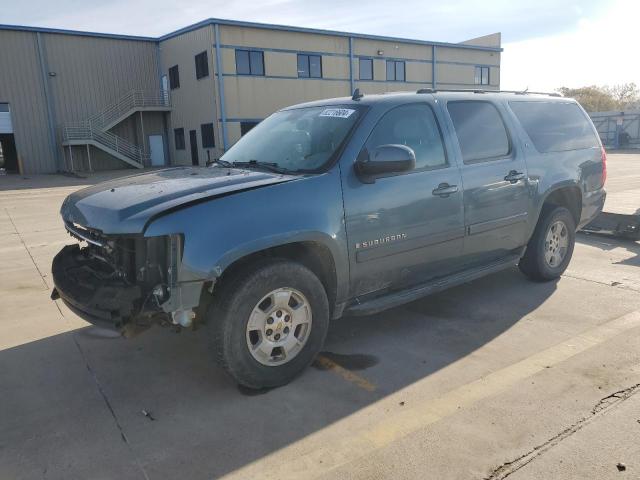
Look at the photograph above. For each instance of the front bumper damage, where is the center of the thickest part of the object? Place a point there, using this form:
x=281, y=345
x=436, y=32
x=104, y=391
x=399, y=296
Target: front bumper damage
x=124, y=283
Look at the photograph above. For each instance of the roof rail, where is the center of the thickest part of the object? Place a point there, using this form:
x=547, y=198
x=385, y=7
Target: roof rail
x=475, y=90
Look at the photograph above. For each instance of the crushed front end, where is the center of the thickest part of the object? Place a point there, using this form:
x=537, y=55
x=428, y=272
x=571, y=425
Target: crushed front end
x=119, y=282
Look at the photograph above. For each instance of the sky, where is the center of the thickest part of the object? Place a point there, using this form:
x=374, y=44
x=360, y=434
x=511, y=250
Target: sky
x=547, y=43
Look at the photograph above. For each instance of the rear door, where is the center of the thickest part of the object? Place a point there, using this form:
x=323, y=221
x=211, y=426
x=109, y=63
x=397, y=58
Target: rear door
x=404, y=229
x=494, y=175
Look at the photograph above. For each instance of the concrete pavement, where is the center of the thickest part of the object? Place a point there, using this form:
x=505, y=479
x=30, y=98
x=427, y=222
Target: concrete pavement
x=498, y=377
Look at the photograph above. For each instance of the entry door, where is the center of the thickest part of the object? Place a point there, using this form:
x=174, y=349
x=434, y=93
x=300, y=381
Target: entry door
x=193, y=141
x=404, y=229
x=156, y=145
x=494, y=173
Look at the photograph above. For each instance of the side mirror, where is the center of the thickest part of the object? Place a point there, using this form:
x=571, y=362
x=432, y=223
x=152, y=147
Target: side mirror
x=384, y=160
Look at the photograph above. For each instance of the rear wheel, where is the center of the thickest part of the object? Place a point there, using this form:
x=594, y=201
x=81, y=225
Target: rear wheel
x=268, y=322
x=550, y=249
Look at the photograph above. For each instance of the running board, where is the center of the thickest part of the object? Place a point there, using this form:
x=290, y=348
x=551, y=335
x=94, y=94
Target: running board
x=393, y=299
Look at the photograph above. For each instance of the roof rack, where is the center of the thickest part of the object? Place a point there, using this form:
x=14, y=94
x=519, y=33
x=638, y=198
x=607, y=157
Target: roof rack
x=474, y=90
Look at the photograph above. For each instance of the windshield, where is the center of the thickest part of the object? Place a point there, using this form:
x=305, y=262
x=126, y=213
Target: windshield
x=304, y=139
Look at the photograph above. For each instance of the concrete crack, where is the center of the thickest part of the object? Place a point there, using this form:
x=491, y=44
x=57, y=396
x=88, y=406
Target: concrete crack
x=46, y=287
x=604, y=404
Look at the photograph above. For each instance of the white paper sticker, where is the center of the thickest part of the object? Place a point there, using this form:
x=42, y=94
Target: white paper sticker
x=337, y=112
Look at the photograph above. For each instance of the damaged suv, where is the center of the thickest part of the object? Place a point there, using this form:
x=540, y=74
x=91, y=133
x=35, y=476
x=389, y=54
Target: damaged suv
x=344, y=206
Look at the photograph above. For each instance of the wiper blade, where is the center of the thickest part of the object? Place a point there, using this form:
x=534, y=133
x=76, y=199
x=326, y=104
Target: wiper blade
x=222, y=163
x=271, y=166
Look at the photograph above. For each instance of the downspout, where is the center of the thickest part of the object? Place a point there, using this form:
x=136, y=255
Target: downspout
x=50, y=109
x=433, y=67
x=351, y=81
x=223, y=113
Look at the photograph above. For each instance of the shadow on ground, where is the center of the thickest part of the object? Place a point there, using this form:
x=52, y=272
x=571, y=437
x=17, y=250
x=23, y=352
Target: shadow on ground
x=199, y=415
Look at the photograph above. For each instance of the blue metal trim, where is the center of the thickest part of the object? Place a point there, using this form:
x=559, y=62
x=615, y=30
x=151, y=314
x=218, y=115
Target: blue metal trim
x=23, y=28
x=244, y=119
x=283, y=77
x=434, y=63
x=334, y=33
x=223, y=113
x=51, y=116
x=283, y=50
x=351, y=82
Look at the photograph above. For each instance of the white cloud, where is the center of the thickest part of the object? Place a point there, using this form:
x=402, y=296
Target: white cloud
x=601, y=50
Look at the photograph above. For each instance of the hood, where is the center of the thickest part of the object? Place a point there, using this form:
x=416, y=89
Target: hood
x=125, y=205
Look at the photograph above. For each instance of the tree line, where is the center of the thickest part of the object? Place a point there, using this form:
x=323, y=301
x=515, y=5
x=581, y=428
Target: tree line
x=594, y=98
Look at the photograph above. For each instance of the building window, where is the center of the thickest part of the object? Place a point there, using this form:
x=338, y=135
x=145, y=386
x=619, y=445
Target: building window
x=249, y=62
x=395, y=70
x=309, y=66
x=202, y=65
x=4, y=107
x=174, y=77
x=366, y=69
x=245, y=127
x=482, y=76
x=206, y=131
x=178, y=134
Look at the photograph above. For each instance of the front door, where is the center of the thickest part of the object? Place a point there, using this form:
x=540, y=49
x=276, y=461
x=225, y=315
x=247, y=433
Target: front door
x=404, y=229
x=193, y=141
x=494, y=173
x=156, y=145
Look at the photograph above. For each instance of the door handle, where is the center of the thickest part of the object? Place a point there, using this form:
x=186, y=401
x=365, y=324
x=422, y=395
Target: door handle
x=514, y=176
x=444, y=190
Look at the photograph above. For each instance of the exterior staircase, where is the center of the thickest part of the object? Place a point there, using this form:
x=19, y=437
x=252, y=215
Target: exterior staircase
x=95, y=130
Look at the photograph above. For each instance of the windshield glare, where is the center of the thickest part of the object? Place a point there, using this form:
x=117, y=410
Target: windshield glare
x=303, y=139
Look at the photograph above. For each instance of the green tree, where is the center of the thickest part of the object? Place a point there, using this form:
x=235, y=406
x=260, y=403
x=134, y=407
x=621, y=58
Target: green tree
x=596, y=98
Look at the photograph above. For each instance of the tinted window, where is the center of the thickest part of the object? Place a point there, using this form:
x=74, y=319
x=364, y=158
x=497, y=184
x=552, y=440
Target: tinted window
x=249, y=62
x=366, y=69
x=174, y=77
x=178, y=134
x=206, y=131
x=554, y=126
x=480, y=130
x=414, y=126
x=202, y=65
x=245, y=127
x=395, y=70
x=4, y=107
x=482, y=76
x=309, y=66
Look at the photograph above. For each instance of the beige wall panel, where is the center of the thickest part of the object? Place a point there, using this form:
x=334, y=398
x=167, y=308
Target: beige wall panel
x=370, y=48
x=335, y=67
x=258, y=97
x=418, y=72
x=228, y=56
x=280, y=64
x=233, y=132
x=467, y=56
x=21, y=86
x=194, y=103
x=494, y=76
x=455, y=74
x=256, y=37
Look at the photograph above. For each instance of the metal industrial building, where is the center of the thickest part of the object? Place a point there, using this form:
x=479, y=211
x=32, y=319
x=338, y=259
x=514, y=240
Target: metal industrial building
x=82, y=101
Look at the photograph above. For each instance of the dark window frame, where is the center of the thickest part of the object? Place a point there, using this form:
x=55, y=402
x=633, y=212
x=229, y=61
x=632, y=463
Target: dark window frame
x=510, y=152
x=307, y=57
x=202, y=66
x=447, y=163
x=249, y=53
x=178, y=139
x=249, y=123
x=482, y=68
x=395, y=70
x=368, y=59
x=174, y=77
x=207, y=138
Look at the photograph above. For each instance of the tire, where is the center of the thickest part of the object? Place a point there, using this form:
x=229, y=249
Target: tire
x=258, y=293
x=545, y=260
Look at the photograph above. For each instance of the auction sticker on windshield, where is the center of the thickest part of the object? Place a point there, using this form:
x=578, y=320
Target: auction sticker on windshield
x=337, y=112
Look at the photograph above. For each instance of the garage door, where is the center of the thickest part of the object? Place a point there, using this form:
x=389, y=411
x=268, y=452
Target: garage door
x=5, y=119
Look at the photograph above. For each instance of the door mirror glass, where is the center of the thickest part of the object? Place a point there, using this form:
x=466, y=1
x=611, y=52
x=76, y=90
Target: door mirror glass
x=385, y=160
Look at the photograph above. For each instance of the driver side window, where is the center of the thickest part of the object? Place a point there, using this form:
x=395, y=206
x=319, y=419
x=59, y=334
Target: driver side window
x=414, y=126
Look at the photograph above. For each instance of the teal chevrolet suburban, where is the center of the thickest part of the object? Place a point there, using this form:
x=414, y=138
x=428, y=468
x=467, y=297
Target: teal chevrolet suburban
x=337, y=207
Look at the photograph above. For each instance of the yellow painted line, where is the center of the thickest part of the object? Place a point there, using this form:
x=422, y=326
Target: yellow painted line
x=328, y=364
x=314, y=455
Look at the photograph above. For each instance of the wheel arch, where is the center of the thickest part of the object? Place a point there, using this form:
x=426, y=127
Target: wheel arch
x=566, y=195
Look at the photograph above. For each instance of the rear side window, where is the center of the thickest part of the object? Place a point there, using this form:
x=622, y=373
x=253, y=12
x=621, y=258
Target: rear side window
x=414, y=126
x=480, y=130
x=555, y=126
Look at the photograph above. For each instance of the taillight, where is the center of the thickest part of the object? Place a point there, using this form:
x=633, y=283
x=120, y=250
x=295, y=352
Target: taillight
x=603, y=155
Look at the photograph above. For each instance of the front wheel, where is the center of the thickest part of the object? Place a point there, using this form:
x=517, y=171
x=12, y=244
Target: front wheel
x=268, y=322
x=550, y=249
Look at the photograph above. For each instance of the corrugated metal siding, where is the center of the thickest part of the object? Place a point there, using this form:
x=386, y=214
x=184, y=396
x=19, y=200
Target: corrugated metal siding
x=194, y=103
x=21, y=87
